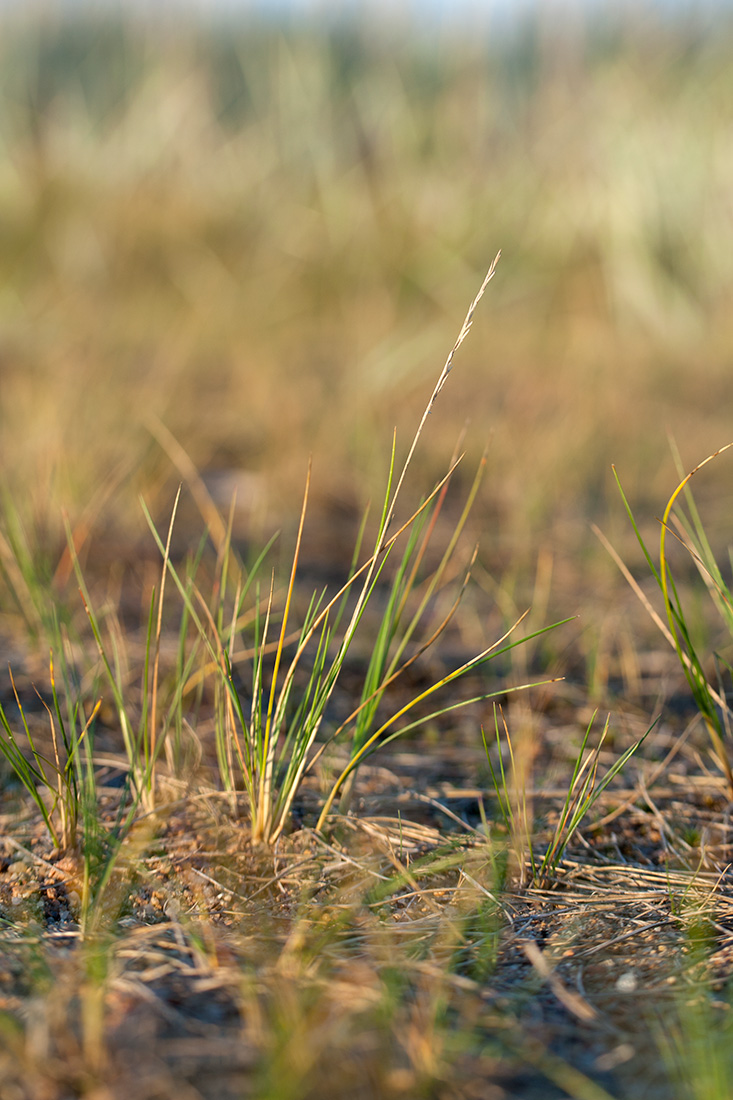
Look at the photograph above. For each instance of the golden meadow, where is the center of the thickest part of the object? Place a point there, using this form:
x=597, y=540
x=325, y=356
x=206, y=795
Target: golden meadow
x=265, y=238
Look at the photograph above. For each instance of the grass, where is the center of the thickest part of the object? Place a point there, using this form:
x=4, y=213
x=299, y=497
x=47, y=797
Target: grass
x=253, y=842
x=710, y=698
x=584, y=789
x=273, y=745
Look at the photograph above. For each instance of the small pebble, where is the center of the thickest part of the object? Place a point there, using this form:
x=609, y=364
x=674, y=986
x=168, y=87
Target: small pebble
x=627, y=983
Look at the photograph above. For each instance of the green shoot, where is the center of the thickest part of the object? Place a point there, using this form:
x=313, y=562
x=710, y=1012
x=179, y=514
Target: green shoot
x=583, y=792
x=711, y=703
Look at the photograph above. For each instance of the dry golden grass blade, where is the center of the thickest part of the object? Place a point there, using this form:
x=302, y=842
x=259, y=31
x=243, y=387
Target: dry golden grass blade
x=573, y=1002
x=641, y=596
x=442, y=378
x=188, y=471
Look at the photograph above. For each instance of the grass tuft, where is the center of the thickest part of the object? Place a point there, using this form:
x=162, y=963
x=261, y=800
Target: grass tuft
x=689, y=532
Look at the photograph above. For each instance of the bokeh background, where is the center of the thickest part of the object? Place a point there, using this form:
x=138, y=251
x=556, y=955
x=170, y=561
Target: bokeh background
x=234, y=238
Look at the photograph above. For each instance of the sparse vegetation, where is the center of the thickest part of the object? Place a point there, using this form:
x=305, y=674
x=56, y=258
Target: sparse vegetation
x=298, y=799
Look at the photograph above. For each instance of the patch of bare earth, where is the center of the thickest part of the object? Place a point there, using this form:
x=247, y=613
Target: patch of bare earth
x=403, y=955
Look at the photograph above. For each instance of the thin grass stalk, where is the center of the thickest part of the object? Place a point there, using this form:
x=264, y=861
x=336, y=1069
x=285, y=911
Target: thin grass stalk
x=232, y=740
x=339, y=658
x=76, y=735
x=145, y=714
x=153, y=733
x=245, y=751
x=587, y=797
x=188, y=471
x=519, y=781
x=515, y=820
x=286, y=611
x=243, y=620
x=498, y=781
x=221, y=571
x=379, y=659
x=186, y=596
x=383, y=672
x=223, y=701
x=365, y=568
x=708, y=569
x=378, y=735
x=387, y=515
x=30, y=775
x=256, y=726
x=417, y=723
x=391, y=498
x=704, y=558
x=313, y=696
x=448, y=553
x=113, y=680
x=442, y=379
x=21, y=571
x=227, y=741
x=381, y=688
x=695, y=675
x=79, y=793
x=184, y=668
x=14, y=582
x=576, y=793
x=222, y=736
x=582, y=794
x=704, y=694
x=66, y=806
x=301, y=733
x=391, y=502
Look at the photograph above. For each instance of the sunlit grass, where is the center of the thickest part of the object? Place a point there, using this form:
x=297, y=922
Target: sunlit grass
x=706, y=674
x=270, y=737
x=225, y=253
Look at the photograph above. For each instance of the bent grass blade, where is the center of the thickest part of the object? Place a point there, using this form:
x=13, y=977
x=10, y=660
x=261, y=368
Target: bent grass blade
x=710, y=702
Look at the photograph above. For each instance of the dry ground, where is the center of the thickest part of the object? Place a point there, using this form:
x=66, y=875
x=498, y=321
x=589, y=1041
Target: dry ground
x=402, y=953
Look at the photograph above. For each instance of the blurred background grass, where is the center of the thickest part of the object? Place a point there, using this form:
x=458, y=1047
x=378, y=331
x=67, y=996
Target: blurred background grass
x=264, y=236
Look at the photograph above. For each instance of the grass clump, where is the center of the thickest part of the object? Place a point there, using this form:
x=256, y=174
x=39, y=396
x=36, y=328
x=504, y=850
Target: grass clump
x=273, y=743
x=583, y=791
x=688, y=530
x=267, y=744
x=57, y=786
